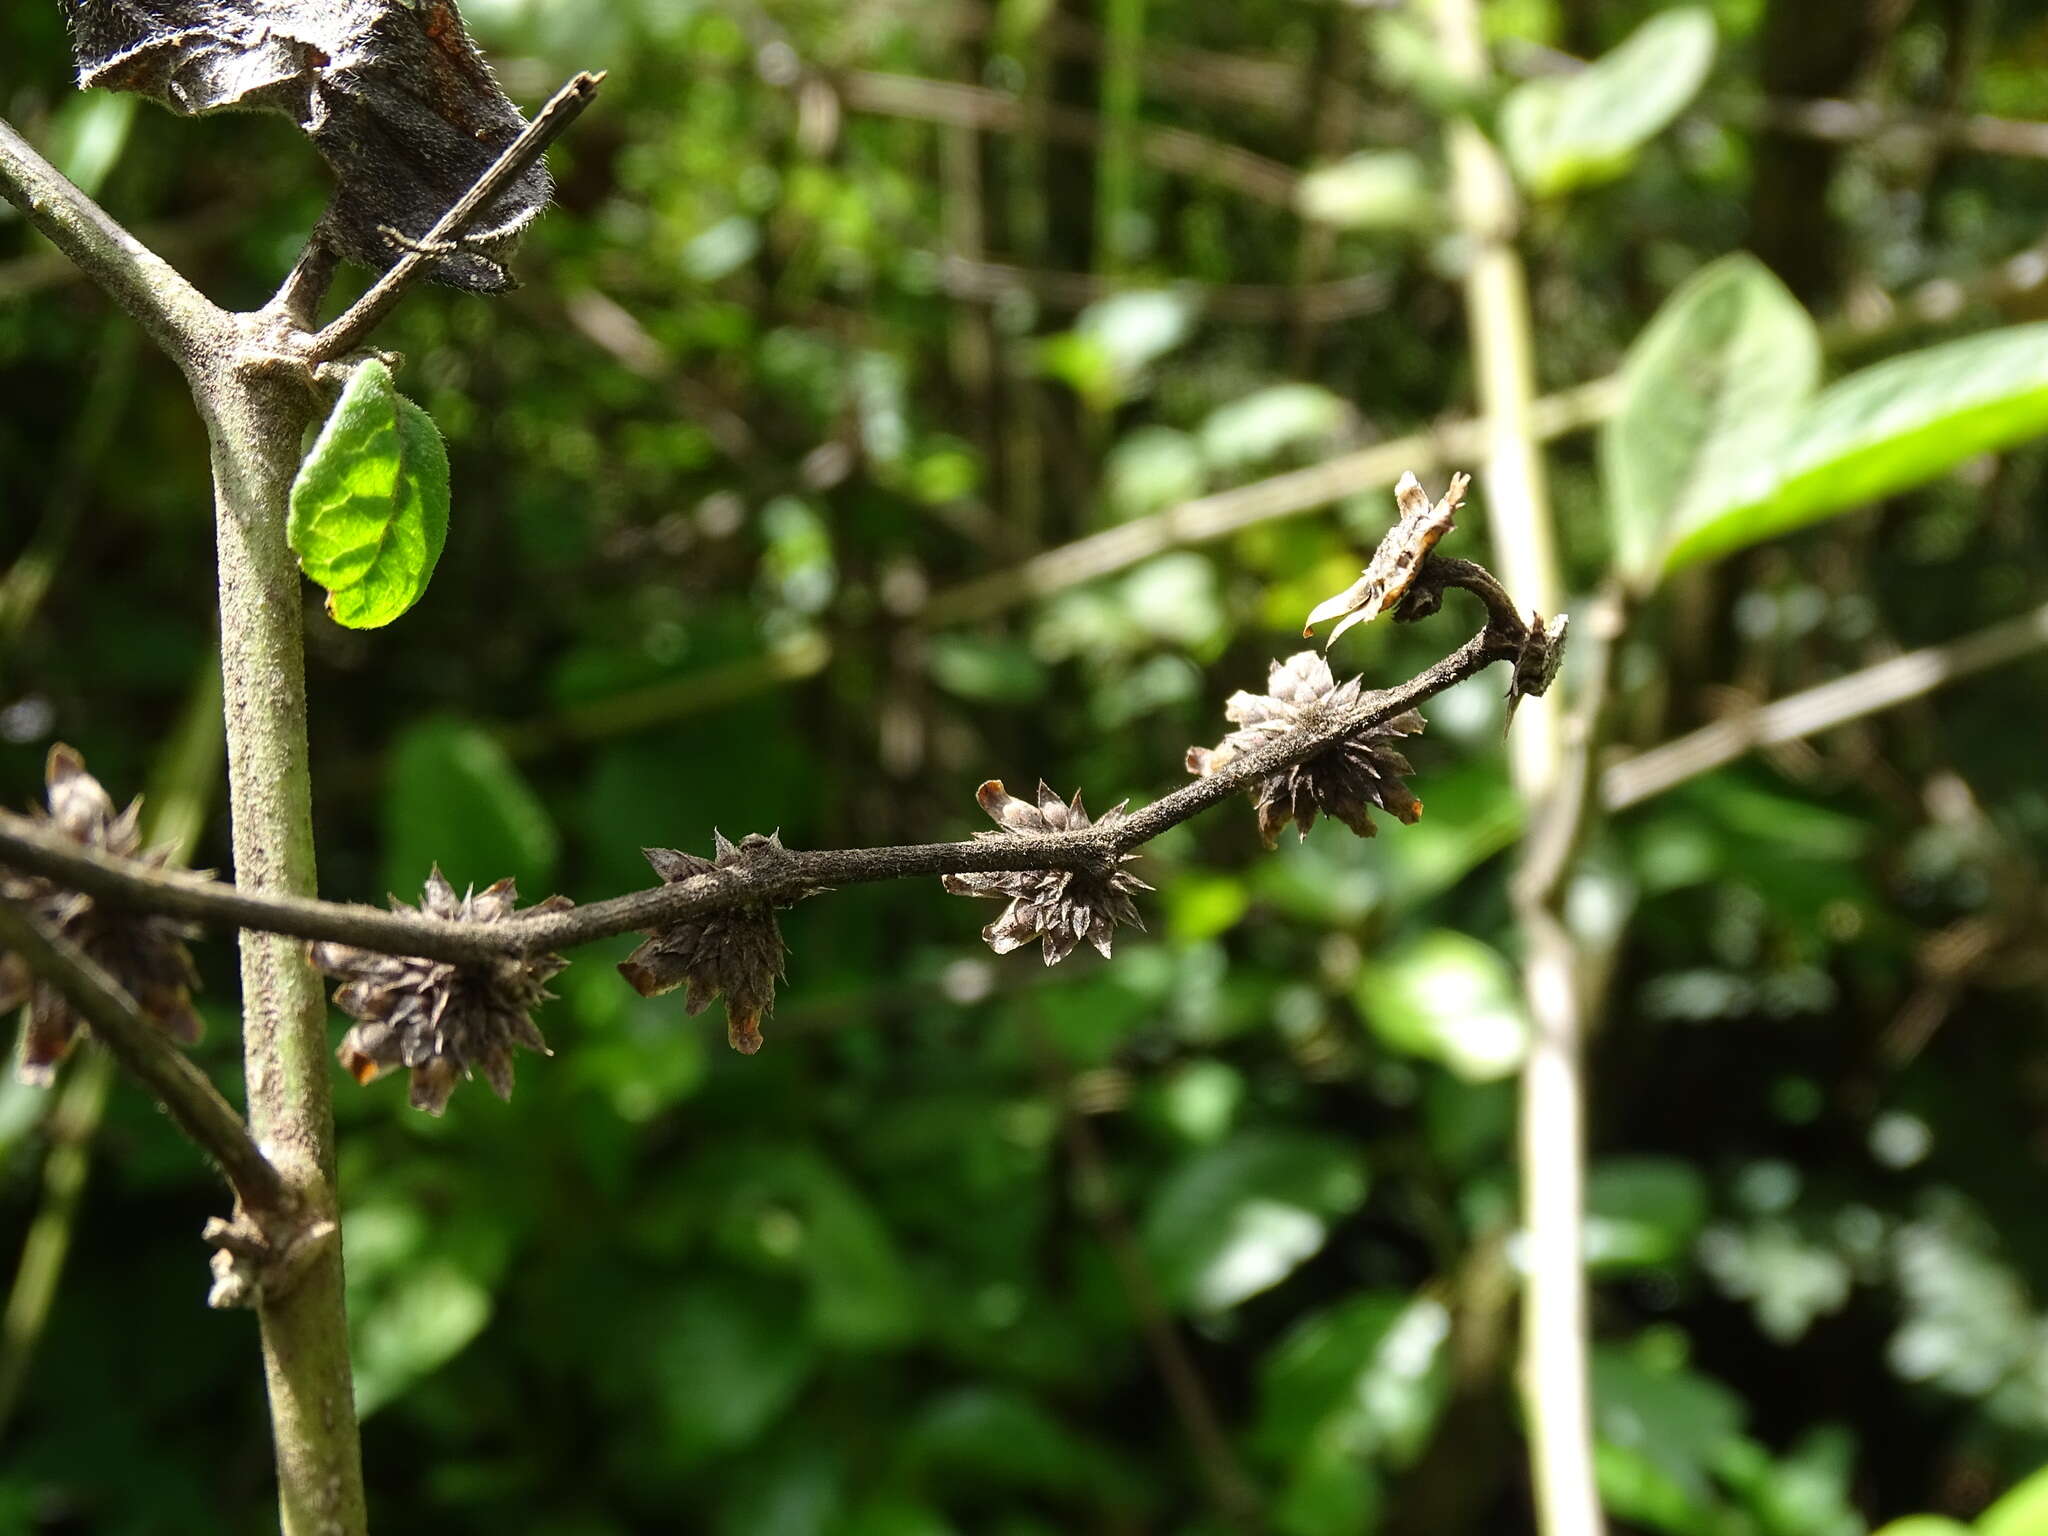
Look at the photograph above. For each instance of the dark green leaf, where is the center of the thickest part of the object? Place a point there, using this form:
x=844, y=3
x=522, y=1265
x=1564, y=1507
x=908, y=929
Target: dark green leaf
x=452, y=797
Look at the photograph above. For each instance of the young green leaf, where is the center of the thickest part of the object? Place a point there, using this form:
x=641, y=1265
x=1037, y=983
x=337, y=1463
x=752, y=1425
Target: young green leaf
x=1574, y=130
x=1706, y=393
x=369, y=510
x=1881, y=430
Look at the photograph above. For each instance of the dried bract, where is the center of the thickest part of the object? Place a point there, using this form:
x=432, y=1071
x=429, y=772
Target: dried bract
x=1347, y=777
x=392, y=93
x=1391, y=571
x=437, y=1020
x=1536, y=667
x=1060, y=907
x=736, y=951
x=145, y=954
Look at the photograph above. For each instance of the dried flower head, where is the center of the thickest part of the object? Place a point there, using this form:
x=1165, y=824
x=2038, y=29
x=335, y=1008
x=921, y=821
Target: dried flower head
x=438, y=1020
x=145, y=954
x=1393, y=567
x=1343, y=780
x=1536, y=667
x=1059, y=906
x=736, y=950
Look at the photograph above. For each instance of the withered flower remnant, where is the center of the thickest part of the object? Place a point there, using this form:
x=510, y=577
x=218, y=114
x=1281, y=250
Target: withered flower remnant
x=737, y=951
x=1061, y=907
x=1537, y=665
x=1355, y=772
x=145, y=954
x=1392, y=569
x=438, y=1020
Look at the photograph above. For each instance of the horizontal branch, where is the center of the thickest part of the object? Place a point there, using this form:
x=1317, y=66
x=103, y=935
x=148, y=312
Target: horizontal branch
x=562, y=109
x=1844, y=122
x=175, y=315
x=990, y=282
x=1223, y=512
x=980, y=106
x=168, y=1074
x=36, y=848
x=1867, y=692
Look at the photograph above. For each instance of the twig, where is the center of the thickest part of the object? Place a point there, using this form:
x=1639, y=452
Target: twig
x=1821, y=708
x=175, y=315
x=1284, y=495
x=1844, y=122
x=562, y=109
x=993, y=111
x=185, y=1092
x=989, y=282
x=32, y=847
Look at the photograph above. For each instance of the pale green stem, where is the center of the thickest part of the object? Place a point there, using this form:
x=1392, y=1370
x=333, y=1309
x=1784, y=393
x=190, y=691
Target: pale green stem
x=1555, y=1365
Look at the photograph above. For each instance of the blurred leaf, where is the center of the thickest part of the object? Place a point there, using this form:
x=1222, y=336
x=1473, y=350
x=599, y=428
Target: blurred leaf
x=987, y=669
x=1574, y=130
x=1449, y=997
x=1150, y=468
x=727, y=1359
x=416, y=1324
x=1678, y=1422
x=1882, y=430
x=87, y=135
x=1642, y=1212
x=369, y=507
x=1788, y=1279
x=989, y=1437
x=786, y=1206
x=1203, y=906
x=1374, y=189
x=1367, y=1375
x=1115, y=340
x=1233, y=1220
x=1330, y=1491
x=1924, y=1525
x=452, y=797
x=1803, y=1493
x=1267, y=422
x=895, y=1517
x=1174, y=599
x=1706, y=390
x=2021, y=1512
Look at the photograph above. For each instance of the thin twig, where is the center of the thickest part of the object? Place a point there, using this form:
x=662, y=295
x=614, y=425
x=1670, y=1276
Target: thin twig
x=185, y=1092
x=1284, y=495
x=562, y=109
x=176, y=316
x=1822, y=708
x=35, y=848
x=990, y=282
x=1844, y=122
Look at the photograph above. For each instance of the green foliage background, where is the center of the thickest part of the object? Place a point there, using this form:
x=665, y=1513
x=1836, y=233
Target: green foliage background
x=783, y=366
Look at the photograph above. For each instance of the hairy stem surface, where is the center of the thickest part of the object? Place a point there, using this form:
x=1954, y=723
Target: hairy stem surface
x=255, y=420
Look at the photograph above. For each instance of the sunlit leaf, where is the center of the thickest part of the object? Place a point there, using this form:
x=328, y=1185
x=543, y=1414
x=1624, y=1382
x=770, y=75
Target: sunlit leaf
x=369, y=508
x=1266, y=422
x=1882, y=430
x=1374, y=189
x=1707, y=390
x=1449, y=997
x=2021, y=1512
x=1234, y=1219
x=1573, y=130
x=1368, y=1374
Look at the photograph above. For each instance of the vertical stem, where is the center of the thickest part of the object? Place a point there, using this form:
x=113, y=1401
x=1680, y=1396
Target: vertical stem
x=1116, y=173
x=256, y=421
x=1555, y=1357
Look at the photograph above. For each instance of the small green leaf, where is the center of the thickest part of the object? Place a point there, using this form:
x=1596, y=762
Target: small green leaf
x=1924, y=1525
x=1706, y=391
x=1574, y=130
x=369, y=510
x=1449, y=997
x=2022, y=1512
x=1377, y=189
x=1884, y=429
